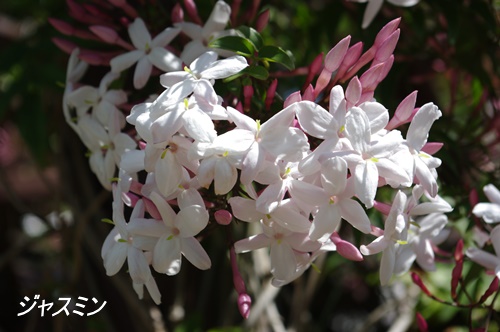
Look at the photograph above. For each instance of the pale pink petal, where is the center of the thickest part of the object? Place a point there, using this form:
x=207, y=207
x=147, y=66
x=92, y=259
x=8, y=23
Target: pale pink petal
x=167, y=256
x=139, y=34
x=218, y=19
x=199, y=126
x=492, y=193
x=252, y=243
x=194, y=253
x=377, y=115
x=126, y=60
x=483, y=258
x=371, y=10
x=168, y=173
x=142, y=72
x=325, y=222
x=283, y=262
x=366, y=175
x=164, y=59
x=225, y=176
x=290, y=219
x=352, y=211
x=421, y=124
x=225, y=67
x=378, y=245
x=191, y=220
x=334, y=175
x=387, y=264
x=166, y=212
x=138, y=266
x=115, y=257
x=488, y=211
x=165, y=37
x=244, y=209
x=315, y=120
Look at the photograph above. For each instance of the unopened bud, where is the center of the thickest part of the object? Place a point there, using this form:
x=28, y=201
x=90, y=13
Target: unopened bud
x=421, y=323
x=244, y=304
x=223, y=217
x=418, y=281
x=346, y=249
x=492, y=289
x=271, y=92
x=262, y=20
x=177, y=14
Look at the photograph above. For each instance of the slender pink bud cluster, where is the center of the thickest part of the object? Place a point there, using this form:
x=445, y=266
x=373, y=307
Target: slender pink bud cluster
x=110, y=36
x=244, y=300
x=333, y=61
x=346, y=249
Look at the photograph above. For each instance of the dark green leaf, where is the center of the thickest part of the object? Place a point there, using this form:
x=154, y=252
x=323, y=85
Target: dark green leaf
x=252, y=35
x=237, y=44
x=276, y=54
x=257, y=72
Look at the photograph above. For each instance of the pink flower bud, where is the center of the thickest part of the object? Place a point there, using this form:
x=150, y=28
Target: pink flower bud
x=386, y=48
x=177, y=14
x=309, y=94
x=223, y=217
x=403, y=111
x=244, y=304
x=106, y=34
x=151, y=208
x=336, y=55
x=247, y=93
x=386, y=69
x=421, y=323
x=324, y=78
x=292, y=98
x=456, y=274
x=346, y=249
x=352, y=55
x=386, y=31
x=235, y=9
x=353, y=92
x=262, y=21
x=64, y=45
x=192, y=11
x=432, y=147
x=473, y=197
x=417, y=281
x=61, y=26
x=313, y=69
x=369, y=79
x=382, y=207
x=493, y=288
x=459, y=251
x=271, y=92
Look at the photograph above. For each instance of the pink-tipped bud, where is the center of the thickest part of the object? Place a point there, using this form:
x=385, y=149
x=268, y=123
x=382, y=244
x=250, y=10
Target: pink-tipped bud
x=223, y=217
x=432, y=147
x=75, y=8
x=417, y=281
x=386, y=31
x=324, y=78
x=244, y=304
x=136, y=187
x=403, y=111
x=192, y=11
x=106, y=34
x=473, y=197
x=353, y=92
x=313, y=69
x=336, y=55
x=61, y=26
x=292, y=98
x=351, y=57
x=459, y=251
x=64, y=45
x=151, y=208
x=130, y=199
x=248, y=94
x=375, y=231
x=235, y=9
x=177, y=14
x=271, y=92
x=493, y=288
x=262, y=20
x=346, y=249
x=456, y=274
x=386, y=69
x=309, y=94
x=142, y=145
x=382, y=207
x=421, y=323
x=386, y=49
x=369, y=79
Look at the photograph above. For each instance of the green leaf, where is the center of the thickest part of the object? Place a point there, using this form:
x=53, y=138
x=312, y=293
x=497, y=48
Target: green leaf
x=252, y=35
x=238, y=44
x=257, y=72
x=276, y=54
